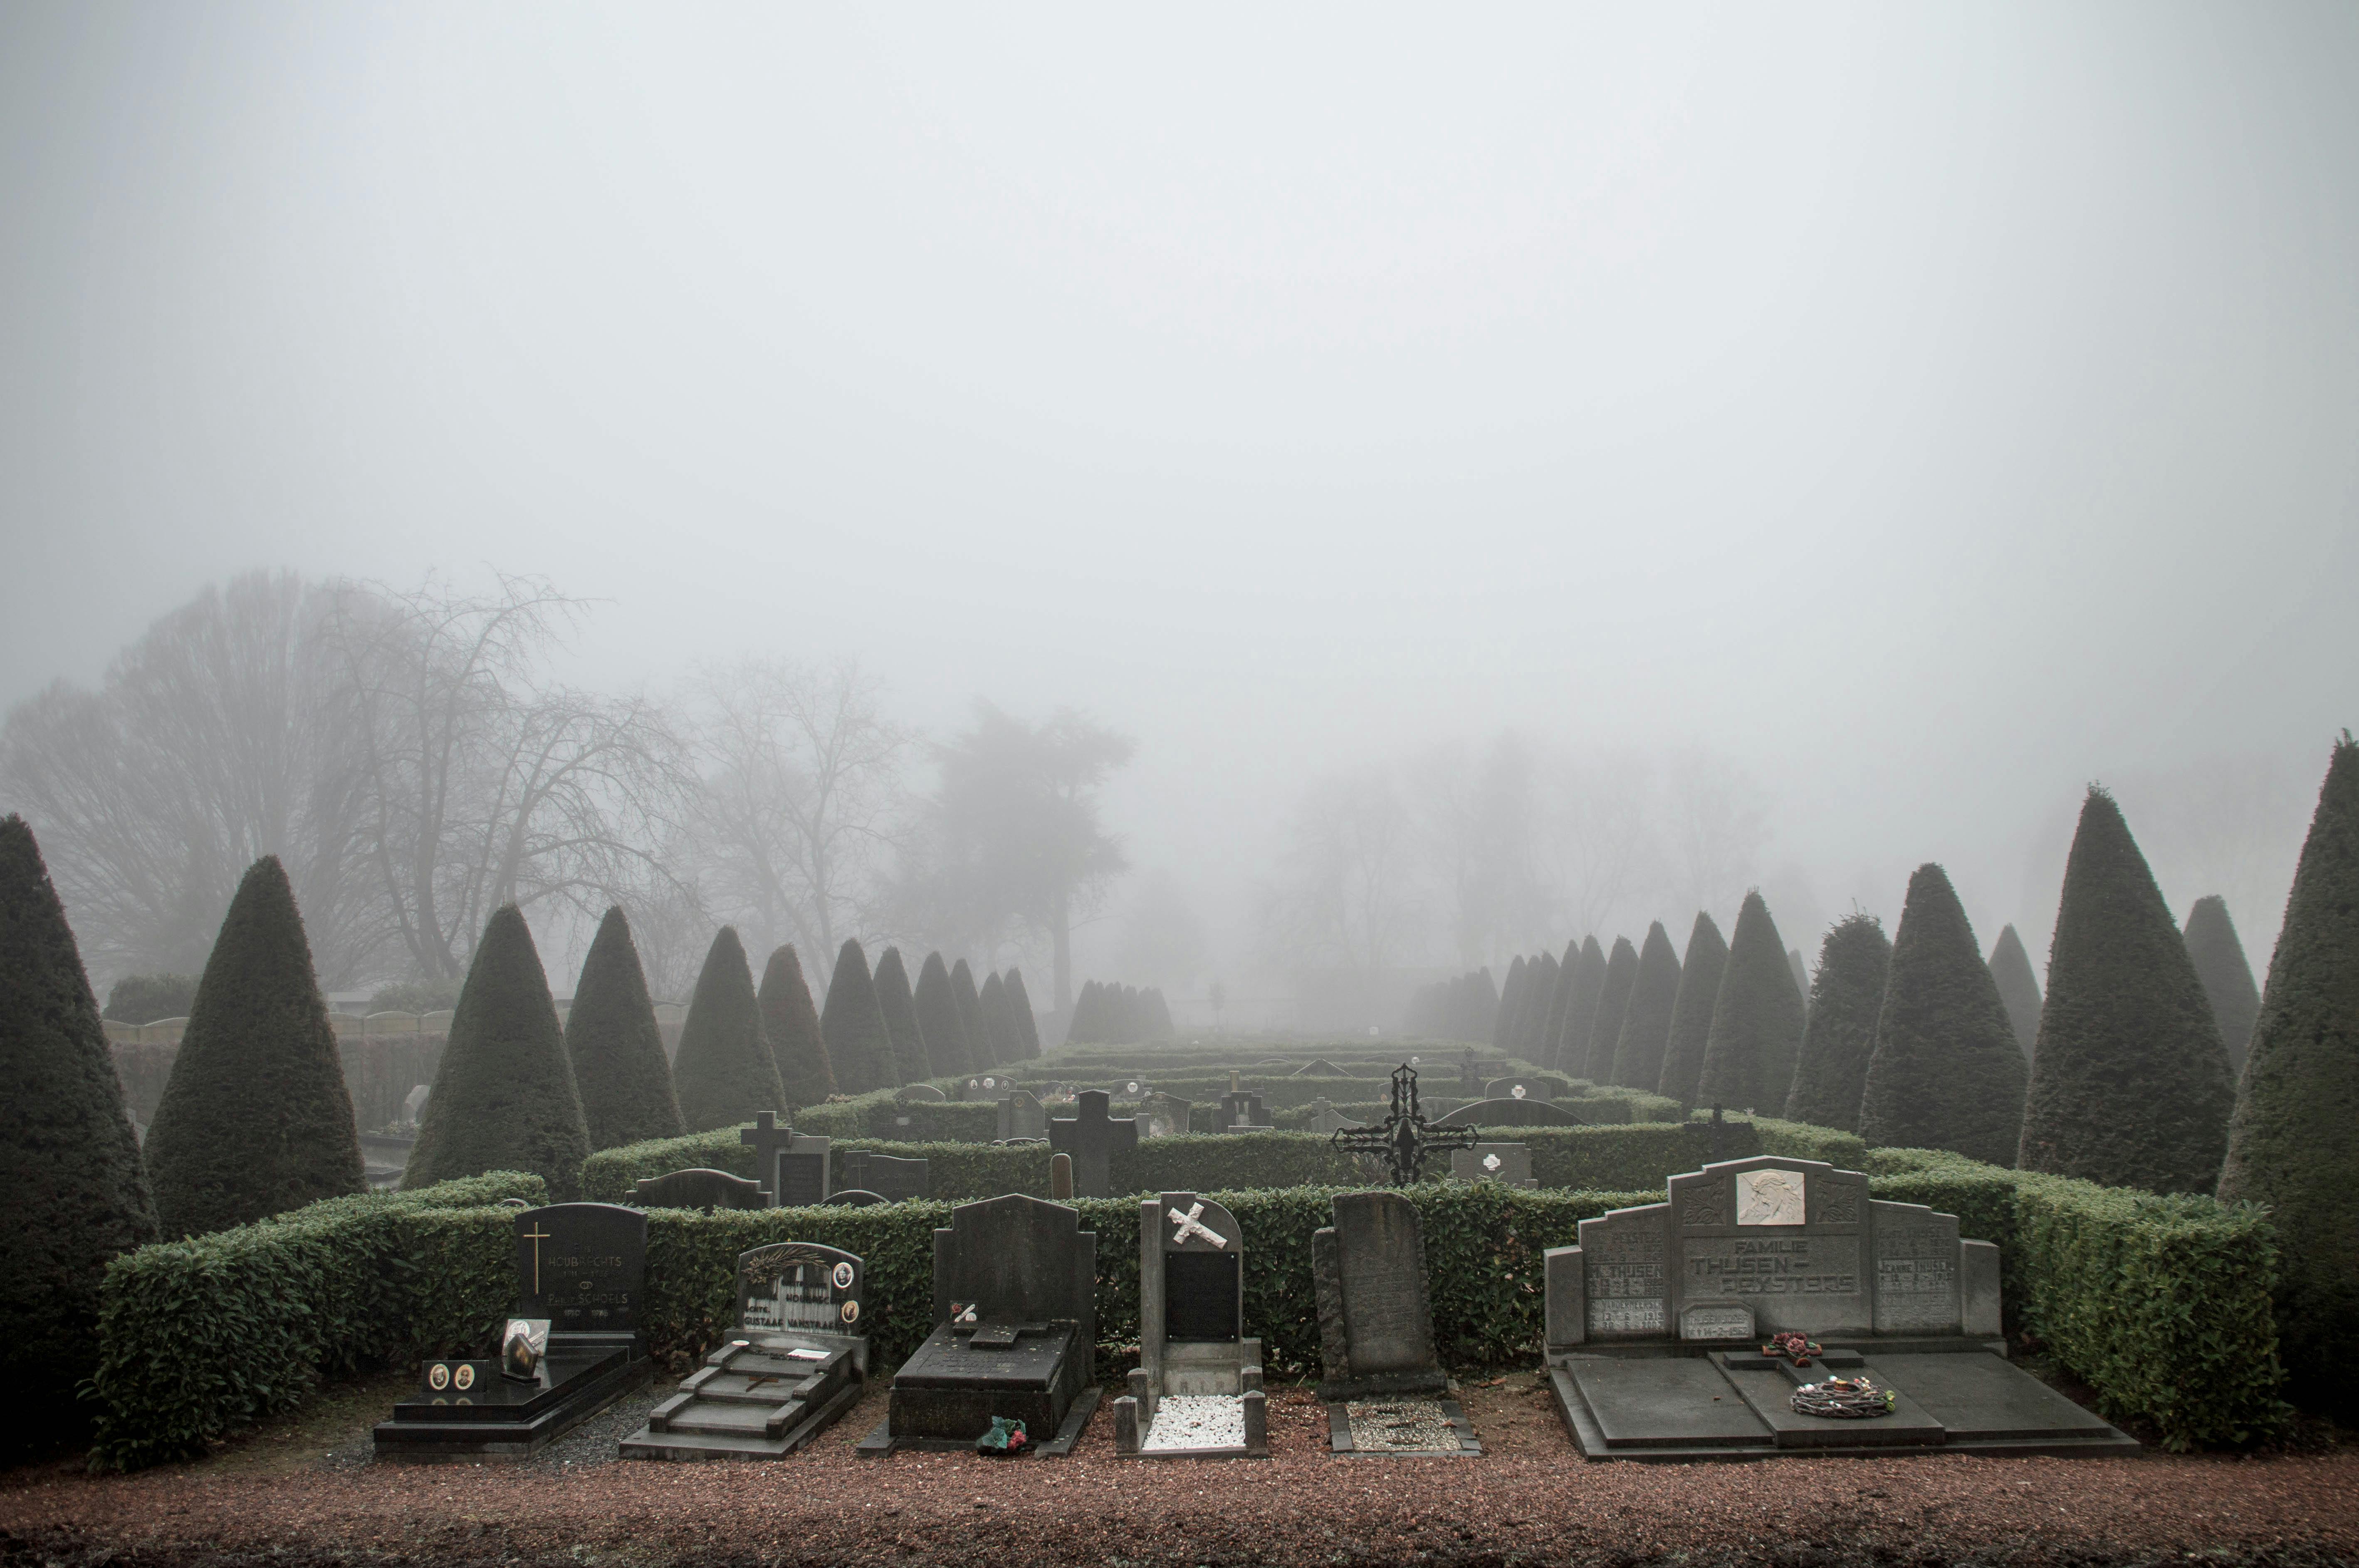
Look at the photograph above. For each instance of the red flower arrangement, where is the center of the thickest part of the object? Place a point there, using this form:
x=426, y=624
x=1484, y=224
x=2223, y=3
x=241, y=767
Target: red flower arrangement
x=1796, y=1348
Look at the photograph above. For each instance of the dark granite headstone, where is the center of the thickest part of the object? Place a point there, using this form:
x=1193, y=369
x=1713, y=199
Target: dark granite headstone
x=1021, y=1114
x=888, y=1175
x=791, y=1166
x=1091, y=1137
x=1375, y=1327
x=1510, y=1113
x=1192, y=1344
x=1240, y=1111
x=699, y=1188
x=580, y=1266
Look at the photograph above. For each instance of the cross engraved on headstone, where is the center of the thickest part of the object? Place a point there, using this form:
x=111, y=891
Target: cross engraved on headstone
x=1192, y=1224
x=1402, y=1140
x=536, y=1236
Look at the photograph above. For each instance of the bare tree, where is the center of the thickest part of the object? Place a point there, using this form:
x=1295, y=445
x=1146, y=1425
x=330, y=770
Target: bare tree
x=799, y=798
x=479, y=788
x=1347, y=895
x=1716, y=819
x=1482, y=826
x=215, y=739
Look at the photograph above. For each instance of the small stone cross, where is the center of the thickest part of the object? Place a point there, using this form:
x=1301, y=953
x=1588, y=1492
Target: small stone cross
x=1192, y=1224
x=767, y=1139
x=1090, y=1137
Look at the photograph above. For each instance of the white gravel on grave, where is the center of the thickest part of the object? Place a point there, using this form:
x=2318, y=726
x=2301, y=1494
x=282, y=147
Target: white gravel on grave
x=1196, y=1420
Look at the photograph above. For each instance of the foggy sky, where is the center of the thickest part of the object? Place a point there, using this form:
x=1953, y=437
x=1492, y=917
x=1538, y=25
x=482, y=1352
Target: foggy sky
x=1935, y=408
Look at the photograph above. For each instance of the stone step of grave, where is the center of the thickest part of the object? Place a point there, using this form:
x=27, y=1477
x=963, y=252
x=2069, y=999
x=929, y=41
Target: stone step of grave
x=709, y=1418
x=652, y=1443
x=735, y=1387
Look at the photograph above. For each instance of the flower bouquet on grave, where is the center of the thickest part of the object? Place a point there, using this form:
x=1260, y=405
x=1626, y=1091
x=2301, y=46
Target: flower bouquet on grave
x=1006, y=1439
x=1843, y=1397
x=1795, y=1347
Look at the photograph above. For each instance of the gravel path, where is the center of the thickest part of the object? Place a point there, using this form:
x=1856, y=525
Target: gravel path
x=1528, y=1499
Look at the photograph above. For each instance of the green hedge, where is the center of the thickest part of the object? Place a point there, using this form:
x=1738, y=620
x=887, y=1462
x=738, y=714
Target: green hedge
x=202, y=1336
x=879, y=1115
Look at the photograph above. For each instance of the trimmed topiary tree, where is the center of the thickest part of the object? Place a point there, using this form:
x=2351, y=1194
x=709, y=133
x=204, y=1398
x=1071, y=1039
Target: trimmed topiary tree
x=1511, y=1006
x=1020, y=1013
x=1612, y=1002
x=1756, y=1019
x=912, y=1053
x=255, y=1119
x=1646, y=1022
x=1568, y=970
x=1839, y=1036
x=1690, y=1030
x=2130, y=1079
x=859, y=1041
x=2010, y=968
x=938, y=1015
x=790, y=1023
x=1581, y=1009
x=2219, y=960
x=725, y=1071
x=2296, y=1141
x=1539, y=989
x=615, y=1047
x=78, y=1195
x=992, y=1003
x=504, y=1096
x=978, y=1038
x=1946, y=1072
x=1802, y=974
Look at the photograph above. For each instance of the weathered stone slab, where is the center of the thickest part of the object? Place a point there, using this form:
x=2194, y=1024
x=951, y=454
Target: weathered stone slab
x=1370, y=1272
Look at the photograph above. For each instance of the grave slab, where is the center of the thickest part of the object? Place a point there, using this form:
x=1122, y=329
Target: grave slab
x=1195, y=1360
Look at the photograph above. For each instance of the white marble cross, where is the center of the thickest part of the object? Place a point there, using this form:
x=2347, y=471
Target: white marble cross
x=1192, y=1224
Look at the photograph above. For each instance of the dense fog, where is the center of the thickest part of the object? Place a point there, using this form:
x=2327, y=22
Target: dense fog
x=1405, y=488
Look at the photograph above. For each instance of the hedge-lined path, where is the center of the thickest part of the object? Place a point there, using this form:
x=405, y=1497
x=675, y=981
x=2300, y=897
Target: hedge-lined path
x=297, y=1493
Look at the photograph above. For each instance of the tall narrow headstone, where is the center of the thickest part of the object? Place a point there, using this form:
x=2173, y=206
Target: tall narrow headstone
x=1091, y=1137
x=1197, y=1388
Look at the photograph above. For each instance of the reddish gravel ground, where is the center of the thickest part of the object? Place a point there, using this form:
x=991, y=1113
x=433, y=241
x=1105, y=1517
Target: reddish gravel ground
x=306, y=1493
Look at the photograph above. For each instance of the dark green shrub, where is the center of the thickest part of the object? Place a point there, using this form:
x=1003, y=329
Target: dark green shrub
x=1691, y=1032
x=2010, y=967
x=1840, y=1036
x=912, y=1053
x=791, y=1025
x=616, y=1050
x=78, y=1194
x=1005, y=1046
x=1539, y=992
x=2130, y=1079
x=415, y=995
x=979, y=1042
x=852, y=1023
x=1613, y=1005
x=201, y=1337
x=1945, y=1072
x=1019, y=1014
x=1801, y=979
x=1756, y=1019
x=147, y=998
x=723, y=1070
x=1570, y=1053
x=1510, y=1015
x=938, y=1015
x=2296, y=1141
x=256, y=1118
x=504, y=1096
x=1560, y=1005
x=2219, y=960
x=1646, y=1022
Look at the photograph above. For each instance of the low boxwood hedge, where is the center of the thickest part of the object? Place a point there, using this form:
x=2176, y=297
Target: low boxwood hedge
x=201, y=1336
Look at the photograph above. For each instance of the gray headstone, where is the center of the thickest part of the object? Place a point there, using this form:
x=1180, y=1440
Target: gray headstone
x=1021, y=1114
x=1162, y=1115
x=1325, y=1118
x=1375, y=1325
x=925, y=1092
x=580, y=1266
x=890, y=1176
x=1191, y=1281
x=1510, y=1113
x=1508, y=1163
x=984, y=1086
x=1018, y=1259
x=699, y=1188
x=1515, y=1088
x=413, y=1104
x=791, y=1166
x=1090, y=1137
x=1240, y=1111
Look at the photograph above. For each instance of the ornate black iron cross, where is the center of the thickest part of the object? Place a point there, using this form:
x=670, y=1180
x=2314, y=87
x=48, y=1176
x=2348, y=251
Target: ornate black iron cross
x=1402, y=1140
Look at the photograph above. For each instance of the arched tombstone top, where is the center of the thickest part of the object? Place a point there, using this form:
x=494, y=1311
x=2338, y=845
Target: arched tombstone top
x=700, y=1188
x=921, y=1092
x=800, y=1287
x=857, y=1197
x=1510, y=1113
x=1016, y=1259
x=1523, y=1088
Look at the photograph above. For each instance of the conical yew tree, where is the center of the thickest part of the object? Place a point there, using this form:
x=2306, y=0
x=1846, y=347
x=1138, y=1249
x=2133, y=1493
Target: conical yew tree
x=2010, y=968
x=616, y=1050
x=1539, y=989
x=1646, y=1022
x=1568, y=968
x=78, y=1196
x=790, y=1023
x=725, y=1071
x=859, y=1043
x=938, y=1016
x=2296, y=1142
x=1756, y=1019
x=1612, y=1003
x=1946, y=1072
x=1683, y=1047
x=1802, y=974
x=504, y=1096
x=2219, y=960
x=256, y=1118
x=1846, y=994
x=1571, y=1055
x=912, y=1053
x=970, y=1011
x=992, y=1003
x=2130, y=1079
x=1020, y=1013
x=1511, y=1006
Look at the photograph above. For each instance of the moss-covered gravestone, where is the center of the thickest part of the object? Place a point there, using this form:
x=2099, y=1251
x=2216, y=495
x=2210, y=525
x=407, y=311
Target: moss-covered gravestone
x=78, y=1195
x=255, y=1119
x=503, y=1096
